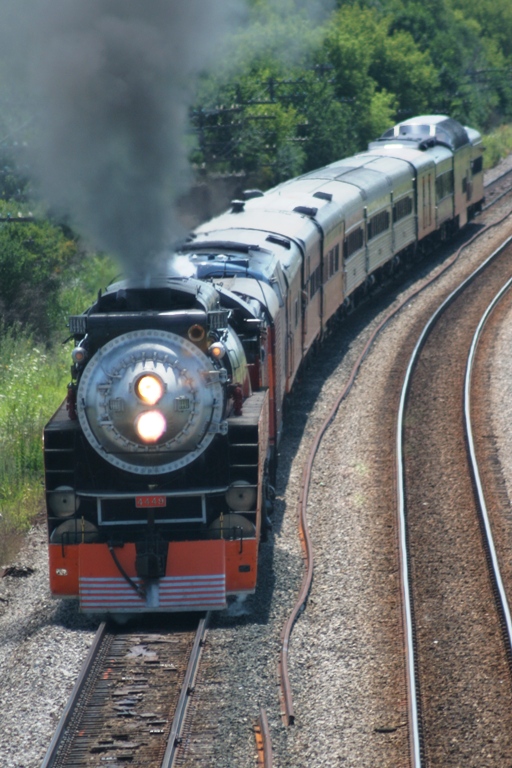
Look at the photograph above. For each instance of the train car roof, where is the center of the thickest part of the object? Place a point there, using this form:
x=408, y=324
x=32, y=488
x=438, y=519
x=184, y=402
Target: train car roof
x=246, y=247
x=310, y=198
x=419, y=160
x=475, y=137
x=397, y=169
x=256, y=224
x=425, y=130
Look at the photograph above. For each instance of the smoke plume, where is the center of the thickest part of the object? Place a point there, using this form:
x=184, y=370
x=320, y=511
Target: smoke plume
x=112, y=81
x=109, y=86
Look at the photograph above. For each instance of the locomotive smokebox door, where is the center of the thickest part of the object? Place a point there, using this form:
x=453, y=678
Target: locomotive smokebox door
x=151, y=559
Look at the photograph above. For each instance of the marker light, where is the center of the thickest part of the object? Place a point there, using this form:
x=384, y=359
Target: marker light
x=78, y=355
x=217, y=350
x=150, y=426
x=149, y=389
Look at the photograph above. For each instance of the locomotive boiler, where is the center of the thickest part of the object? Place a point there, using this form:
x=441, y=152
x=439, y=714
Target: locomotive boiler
x=160, y=461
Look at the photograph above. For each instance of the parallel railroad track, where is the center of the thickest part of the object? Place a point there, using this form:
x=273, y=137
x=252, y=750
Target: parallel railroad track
x=458, y=638
x=497, y=189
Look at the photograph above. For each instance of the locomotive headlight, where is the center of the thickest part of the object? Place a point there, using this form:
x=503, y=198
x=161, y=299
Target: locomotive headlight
x=150, y=426
x=63, y=501
x=241, y=496
x=149, y=388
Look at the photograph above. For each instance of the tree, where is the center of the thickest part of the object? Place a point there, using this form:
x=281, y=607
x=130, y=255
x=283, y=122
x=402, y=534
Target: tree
x=33, y=256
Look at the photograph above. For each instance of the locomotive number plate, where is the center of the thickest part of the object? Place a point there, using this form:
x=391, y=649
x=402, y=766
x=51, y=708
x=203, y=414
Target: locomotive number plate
x=144, y=502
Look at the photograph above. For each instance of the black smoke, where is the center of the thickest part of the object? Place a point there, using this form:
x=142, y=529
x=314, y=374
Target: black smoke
x=110, y=83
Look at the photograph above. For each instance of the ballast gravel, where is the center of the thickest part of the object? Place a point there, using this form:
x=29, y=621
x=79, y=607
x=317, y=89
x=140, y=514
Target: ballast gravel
x=345, y=652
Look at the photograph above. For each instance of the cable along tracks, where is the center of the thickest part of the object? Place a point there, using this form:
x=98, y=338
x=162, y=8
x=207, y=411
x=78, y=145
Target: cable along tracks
x=129, y=702
x=456, y=618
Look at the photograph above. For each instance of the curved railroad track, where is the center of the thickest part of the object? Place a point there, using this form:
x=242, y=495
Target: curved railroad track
x=458, y=670
x=498, y=189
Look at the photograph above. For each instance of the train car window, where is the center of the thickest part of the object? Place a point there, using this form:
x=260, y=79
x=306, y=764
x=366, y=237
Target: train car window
x=444, y=185
x=332, y=262
x=296, y=310
x=477, y=165
x=353, y=242
x=315, y=281
x=378, y=224
x=402, y=208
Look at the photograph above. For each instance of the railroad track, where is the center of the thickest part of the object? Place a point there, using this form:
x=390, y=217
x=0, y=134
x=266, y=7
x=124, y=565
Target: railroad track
x=456, y=614
x=129, y=702
x=498, y=188
x=133, y=702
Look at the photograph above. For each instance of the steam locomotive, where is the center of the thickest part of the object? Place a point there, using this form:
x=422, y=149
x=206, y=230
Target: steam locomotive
x=159, y=463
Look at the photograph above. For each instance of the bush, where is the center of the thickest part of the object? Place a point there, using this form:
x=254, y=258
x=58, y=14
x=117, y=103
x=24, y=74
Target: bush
x=497, y=146
x=33, y=257
x=33, y=378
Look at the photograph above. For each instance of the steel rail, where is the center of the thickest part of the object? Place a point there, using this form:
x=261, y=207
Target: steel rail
x=287, y=712
x=187, y=690
x=502, y=194
x=499, y=589
x=75, y=695
x=414, y=704
x=263, y=741
x=498, y=178
x=497, y=199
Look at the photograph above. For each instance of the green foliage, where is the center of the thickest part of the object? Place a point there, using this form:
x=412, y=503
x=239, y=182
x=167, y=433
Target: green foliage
x=87, y=274
x=33, y=257
x=33, y=375
x=302, y=87
x=455, y=42
x=494, y=18
x=497, y=145
x=32, y=383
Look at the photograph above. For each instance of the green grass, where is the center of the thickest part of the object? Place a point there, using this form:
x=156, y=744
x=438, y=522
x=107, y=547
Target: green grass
x=33, y=380
x=32, y=384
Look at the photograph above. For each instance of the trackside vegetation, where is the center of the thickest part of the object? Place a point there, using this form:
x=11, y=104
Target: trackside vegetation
x=44, y=277
x=306, y=82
